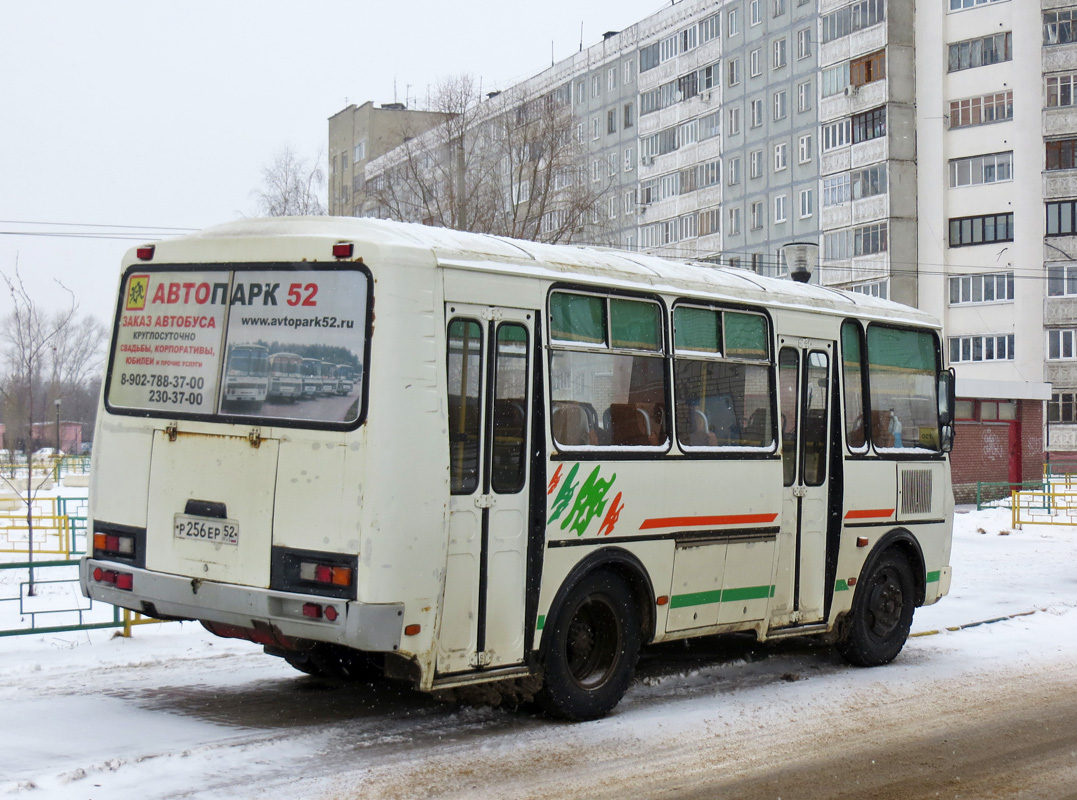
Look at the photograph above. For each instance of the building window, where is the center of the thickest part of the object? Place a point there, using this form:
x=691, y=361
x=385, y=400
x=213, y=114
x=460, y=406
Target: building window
x=755, y=15
x=993, y=347
x=710, y=28
x=1060, y=218
x=709, y=221
x=805, y=148
x=1062, y=280
x=991, y=288
x=966, y=231
x=869, y=125
x=779, y=208
x=977, y=170
x=733, y=70
x=757, y=113
x=807, y=203
x=629, y=115
x=867, y=69
x=595, y=128
x=733, y=228
x=980, y=52
x=804, y=95
x=836, y=190
x=596, y=86
x=874, y=289
x=1060, y=408
x=779, y=53
x=960, y=5
x=853, y=242
x=981, y=110
x=630, y=159
x=757, y=216
x=836, y=79
x=779, y=7
x=781, y=156
x=868, y=182
x=611, y=121
x=852, y=18
x=1058, y=27
x=733, y=171
x=360, y=151
x=734, y=121
x=1060, y=344
x=780, y=105
x=1062, y=154
x=756, y=164
x=710, y=125
x=649, y=57
x=837, y=134
x=755, y=65
x=733, y=26
x=611, y=79
x=611, y=164
x=1060, y=90
x=804, y=43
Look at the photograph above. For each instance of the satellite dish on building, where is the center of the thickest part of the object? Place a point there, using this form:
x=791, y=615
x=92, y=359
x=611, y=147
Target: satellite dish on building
x=801, y=258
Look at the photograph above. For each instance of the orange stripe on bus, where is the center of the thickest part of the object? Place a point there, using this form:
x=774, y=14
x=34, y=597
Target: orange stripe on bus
x=870, y=513
x=685, y=522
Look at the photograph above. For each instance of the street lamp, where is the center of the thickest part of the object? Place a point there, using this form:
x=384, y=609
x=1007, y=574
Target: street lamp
x=57, y=426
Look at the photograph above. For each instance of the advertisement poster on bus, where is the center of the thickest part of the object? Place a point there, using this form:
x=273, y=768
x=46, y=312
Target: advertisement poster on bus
x=269, y=344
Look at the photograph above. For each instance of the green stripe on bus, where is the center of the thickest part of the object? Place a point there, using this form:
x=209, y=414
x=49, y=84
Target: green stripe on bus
x=933, y=576
x=841, y=586
x=721, y=596
x=541, y=622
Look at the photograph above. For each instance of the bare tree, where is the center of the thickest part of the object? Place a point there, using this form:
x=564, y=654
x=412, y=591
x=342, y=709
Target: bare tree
x=30, y=336
x=512, y=165
x=291, y=186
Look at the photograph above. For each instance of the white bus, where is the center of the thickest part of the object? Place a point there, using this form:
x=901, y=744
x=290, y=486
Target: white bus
x=557, y=455
x=285, y=382
x=246, y=375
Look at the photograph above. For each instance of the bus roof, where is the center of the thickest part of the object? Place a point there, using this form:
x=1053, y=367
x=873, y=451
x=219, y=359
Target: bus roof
x=576, y=263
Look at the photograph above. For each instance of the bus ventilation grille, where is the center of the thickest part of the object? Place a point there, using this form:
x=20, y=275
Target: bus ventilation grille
x=916, y=491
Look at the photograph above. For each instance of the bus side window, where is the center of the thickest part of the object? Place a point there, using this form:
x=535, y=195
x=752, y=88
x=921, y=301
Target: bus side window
x=853, y=383
x=465, y=379
x=510, y=408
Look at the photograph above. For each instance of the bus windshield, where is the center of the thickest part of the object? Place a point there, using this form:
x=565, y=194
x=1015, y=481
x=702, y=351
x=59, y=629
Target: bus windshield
x=184, y=337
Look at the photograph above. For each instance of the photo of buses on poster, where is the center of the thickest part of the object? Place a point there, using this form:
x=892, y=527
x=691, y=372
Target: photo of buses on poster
x=275, y=344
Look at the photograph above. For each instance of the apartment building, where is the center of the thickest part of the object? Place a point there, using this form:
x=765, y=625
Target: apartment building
x=927, y=148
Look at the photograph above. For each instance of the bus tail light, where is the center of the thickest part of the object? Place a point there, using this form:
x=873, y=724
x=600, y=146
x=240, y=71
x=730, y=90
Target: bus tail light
x=343, y=249
x=119, y=543
x=145, y=253
x=114, y=543
x=328, y=574
x=317, y=611
x=121, y=580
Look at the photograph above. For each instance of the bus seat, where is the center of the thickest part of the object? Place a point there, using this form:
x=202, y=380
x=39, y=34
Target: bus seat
x=571, y=426
x=631, y=425
x=701, y=435
x=880, y=429
x=722, y=418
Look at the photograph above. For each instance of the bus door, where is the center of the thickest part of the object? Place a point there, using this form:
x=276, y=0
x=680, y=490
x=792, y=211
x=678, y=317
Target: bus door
x=489, y=412
x=804, y=379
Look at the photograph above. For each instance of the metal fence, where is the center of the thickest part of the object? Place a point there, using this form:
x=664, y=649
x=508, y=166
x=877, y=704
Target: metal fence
x=39, y=588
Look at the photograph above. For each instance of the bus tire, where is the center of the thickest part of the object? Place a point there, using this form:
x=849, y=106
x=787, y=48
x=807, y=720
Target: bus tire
x=882, y=612
x=592, y=651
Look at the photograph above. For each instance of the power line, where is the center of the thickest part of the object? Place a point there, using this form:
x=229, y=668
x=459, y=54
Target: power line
x=95, y=225
x=132, y=237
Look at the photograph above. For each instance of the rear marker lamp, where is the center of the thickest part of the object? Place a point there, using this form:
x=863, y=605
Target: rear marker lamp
x=121, y=580
x=112, y=543
x=145, y=253
x=325, y=573
x=317, y=611
x=343, y=249
x=412, y=630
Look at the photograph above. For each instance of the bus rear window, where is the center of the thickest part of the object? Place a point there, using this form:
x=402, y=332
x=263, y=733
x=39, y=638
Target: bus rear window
x=281, y=344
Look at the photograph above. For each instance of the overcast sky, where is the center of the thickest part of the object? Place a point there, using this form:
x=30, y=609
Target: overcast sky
x=163, y=114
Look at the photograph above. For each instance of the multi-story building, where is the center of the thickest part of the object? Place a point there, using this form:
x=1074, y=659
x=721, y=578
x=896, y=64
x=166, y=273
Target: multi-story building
x=927, y=148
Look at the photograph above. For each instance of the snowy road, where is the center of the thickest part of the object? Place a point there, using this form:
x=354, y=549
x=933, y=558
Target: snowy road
x=986, y=711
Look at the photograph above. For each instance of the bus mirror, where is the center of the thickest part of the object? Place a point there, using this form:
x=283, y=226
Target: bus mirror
x=947, y=398
x=946, y=438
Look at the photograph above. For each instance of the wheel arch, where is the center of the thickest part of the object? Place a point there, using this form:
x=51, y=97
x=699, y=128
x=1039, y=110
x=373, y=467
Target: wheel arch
x=902, y=541
x=627, y=567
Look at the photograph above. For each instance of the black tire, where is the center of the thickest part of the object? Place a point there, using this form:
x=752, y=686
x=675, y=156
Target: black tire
x=882, y=613
x=592, y=649
x=337, y=661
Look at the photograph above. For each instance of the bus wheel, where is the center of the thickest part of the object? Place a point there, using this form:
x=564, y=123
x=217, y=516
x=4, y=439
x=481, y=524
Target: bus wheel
x=592, y=650
x=882, y=613
x=337, y=661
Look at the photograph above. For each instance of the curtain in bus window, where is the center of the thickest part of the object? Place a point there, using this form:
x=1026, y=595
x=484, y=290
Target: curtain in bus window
x=902, y=368
x=465, y=381
x=745, y=336
x=788, y=381
x=634, y=325
x=510, y=408
x=578, y=318
x=697, y=329
x=853, y=382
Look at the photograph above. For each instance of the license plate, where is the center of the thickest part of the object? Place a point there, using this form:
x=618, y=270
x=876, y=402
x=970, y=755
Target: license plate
x=217, y=531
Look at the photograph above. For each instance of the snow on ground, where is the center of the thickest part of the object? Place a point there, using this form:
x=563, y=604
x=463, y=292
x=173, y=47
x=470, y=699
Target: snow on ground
x=175, y=712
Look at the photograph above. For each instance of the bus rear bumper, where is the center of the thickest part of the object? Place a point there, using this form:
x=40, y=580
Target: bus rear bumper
x=372, y=627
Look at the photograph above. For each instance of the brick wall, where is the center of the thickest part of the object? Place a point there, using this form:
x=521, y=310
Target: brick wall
x=982, y=451
x=1030, y=415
